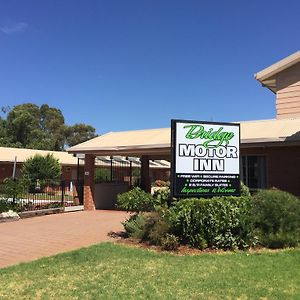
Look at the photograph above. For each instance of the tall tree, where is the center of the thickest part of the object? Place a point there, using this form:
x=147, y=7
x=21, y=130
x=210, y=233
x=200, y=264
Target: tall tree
x=79, y=133
x=30, y=126
x=22, y=121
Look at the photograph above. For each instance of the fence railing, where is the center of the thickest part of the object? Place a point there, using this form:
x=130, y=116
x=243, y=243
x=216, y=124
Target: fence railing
x=41, y=194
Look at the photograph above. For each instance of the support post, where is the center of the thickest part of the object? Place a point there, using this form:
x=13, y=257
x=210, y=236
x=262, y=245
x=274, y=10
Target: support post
x=89, y=183
x=130, y=174
x=145, y=176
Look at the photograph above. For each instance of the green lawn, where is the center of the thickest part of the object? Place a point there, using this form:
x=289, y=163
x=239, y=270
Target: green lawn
x=108, y=271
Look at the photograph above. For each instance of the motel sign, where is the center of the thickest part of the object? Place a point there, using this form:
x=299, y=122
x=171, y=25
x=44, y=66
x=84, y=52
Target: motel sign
x=205, y=159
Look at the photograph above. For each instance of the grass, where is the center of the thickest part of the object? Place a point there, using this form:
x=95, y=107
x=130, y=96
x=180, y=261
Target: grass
x=109, y=271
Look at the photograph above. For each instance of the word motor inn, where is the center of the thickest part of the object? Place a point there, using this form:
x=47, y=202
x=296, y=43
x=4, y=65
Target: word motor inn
x=270, y=149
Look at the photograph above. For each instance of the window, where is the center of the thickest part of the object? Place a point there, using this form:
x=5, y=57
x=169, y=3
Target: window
x=253, y=172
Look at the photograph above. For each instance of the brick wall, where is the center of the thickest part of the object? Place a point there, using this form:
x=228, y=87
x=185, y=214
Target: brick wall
x=6, y=170
x=282, y=166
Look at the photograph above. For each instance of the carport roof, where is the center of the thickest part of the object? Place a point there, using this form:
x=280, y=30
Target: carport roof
x=158, y=141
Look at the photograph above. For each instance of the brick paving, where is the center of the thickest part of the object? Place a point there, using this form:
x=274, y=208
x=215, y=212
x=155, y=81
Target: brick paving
x=29, y=239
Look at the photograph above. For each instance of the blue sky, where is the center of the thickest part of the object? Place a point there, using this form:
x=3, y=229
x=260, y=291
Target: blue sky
x=121, y=65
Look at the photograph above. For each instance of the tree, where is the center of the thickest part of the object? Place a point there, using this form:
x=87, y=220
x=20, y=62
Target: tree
x=41, y=167
x=5, y=109
x=22, y=120
x=80, y=133
x=5, y=139
x=30, y=126
x=52, y=122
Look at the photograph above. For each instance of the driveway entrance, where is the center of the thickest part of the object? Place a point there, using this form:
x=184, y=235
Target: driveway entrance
x=30, y=239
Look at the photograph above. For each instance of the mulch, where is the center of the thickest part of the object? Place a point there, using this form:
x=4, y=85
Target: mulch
x=121, y=238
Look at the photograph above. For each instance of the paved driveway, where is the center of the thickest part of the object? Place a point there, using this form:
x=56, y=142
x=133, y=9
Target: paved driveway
x=33, y=238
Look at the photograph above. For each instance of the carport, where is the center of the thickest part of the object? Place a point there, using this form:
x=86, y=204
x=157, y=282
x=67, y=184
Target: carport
x=152, y=144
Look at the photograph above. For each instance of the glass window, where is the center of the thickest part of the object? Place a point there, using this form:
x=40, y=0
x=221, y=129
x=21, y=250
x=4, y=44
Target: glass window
x=253, y=172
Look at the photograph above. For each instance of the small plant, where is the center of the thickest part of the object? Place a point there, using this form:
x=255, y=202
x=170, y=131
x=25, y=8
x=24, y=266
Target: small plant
x=136, y=200
x=147, y=226
x=158, y=230
x=162, y=196
x=170, y=242
x=245, y=190
x=135, y=226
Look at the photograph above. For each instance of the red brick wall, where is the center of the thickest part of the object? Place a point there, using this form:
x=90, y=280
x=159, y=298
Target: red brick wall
x=283, y=166
x=6, y=170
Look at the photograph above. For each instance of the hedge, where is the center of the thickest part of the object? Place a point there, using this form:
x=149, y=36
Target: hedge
x=219, y=222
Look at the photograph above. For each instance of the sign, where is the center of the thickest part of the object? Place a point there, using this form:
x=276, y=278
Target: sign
x=205, y=159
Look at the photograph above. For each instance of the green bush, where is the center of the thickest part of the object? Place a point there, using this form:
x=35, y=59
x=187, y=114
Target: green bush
x=136, y=200
x=219, y=222
x=43, y=168
x=135, y=226
x=279, y=240
x=277, y=218
x=5, y=206
x=245, y=190
x=170, y=242
x=147, y=226
x=157, y=229
x=162, y=196
x=270, y=217
x=14, y=188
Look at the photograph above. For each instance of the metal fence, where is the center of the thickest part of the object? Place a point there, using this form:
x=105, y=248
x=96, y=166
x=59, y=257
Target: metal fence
x=118, y=169
x=41, y=194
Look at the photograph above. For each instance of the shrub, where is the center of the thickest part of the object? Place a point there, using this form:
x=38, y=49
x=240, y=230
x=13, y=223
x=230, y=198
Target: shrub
x=279, y=240
x=135, y=226
x=170, y=242
x=157, y=229
x=277, y=218
x=245, y=190
x=6, y=206
x=42, y=168
x=13, y=188
x=149, y=226
x=162, y=196
x=136, y=200
x=219, y=222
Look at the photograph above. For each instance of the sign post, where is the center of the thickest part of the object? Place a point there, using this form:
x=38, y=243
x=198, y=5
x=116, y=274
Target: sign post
x=205, y=159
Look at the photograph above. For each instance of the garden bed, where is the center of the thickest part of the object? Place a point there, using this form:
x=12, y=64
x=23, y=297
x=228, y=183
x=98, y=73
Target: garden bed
x=41, y=212
x=120, y=238
x=270, y=218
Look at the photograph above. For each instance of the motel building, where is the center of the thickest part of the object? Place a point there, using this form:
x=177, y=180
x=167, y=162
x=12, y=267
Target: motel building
x=269, y=149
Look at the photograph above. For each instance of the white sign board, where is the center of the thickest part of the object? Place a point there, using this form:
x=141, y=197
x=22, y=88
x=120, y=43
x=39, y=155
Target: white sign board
x=205, y=159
